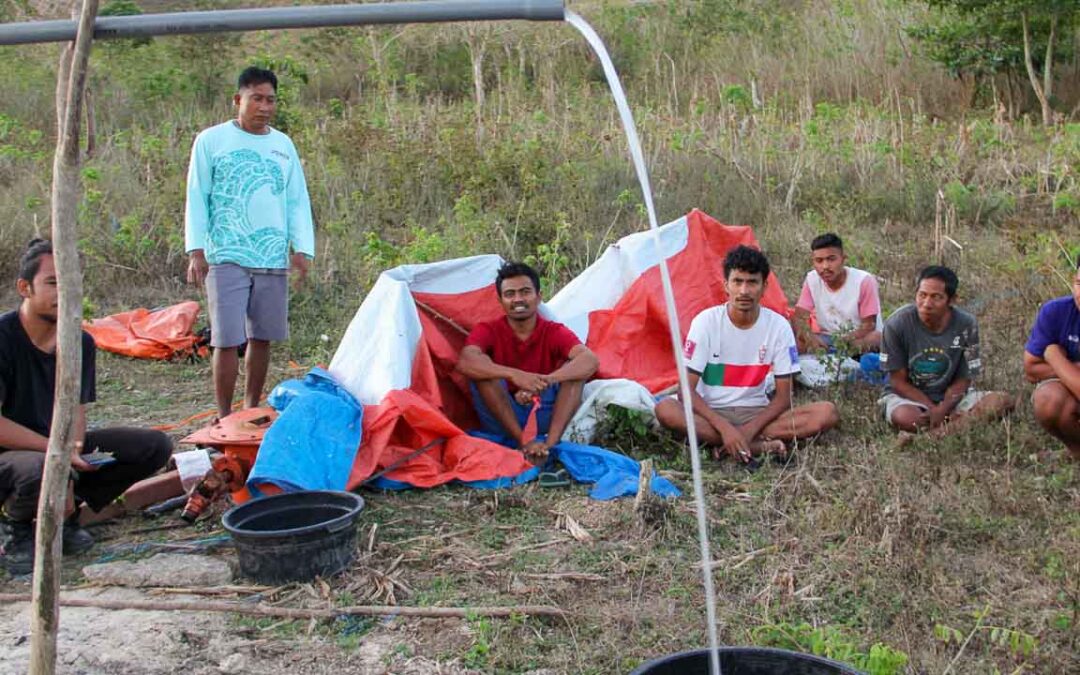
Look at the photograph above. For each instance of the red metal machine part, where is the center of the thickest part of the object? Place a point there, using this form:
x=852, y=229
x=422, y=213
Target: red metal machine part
x=238, y=438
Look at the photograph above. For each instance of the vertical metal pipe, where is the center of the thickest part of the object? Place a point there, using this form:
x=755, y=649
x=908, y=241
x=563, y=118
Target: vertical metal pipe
x=275, y=18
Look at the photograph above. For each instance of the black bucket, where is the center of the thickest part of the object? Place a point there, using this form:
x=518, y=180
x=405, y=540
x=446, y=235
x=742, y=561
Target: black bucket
x=744, y=661
x=295, y=536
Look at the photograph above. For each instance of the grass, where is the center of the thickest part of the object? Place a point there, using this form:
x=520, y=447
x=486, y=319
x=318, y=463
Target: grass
x=853, y=544
x=972, y=543
x=855, y=549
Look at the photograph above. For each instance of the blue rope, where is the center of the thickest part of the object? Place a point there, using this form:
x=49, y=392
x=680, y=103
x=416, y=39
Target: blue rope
x=176, y=546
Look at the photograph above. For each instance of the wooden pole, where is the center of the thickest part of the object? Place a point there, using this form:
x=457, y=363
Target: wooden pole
x=71, y=82
x=300, y=612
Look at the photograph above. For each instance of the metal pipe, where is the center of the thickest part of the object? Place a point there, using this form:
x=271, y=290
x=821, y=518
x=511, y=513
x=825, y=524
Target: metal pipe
x=272, y=18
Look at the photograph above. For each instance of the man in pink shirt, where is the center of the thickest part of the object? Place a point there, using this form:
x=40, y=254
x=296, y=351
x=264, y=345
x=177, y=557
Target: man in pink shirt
x=839, y=305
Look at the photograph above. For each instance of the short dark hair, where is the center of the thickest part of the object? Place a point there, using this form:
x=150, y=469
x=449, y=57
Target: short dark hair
x=746, y=259
x=30, y=262
x=944, y=274
x=827, y=240
x=254, y=75
x=516, y=269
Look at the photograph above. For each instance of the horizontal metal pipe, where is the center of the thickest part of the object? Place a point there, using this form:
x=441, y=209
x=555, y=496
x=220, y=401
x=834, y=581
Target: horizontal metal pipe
x=272, y=18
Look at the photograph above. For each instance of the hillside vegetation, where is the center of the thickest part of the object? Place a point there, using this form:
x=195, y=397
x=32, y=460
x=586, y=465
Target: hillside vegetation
x=423, y=143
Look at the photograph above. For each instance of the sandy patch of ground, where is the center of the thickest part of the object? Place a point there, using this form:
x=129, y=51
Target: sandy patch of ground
x=116, y=642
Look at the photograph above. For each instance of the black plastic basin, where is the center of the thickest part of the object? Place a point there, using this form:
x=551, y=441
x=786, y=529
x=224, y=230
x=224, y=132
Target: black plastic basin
x=744, y=661
x=295, y=536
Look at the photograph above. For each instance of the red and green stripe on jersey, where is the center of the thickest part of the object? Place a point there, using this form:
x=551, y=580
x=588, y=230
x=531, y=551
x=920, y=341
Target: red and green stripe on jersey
x=735, y=375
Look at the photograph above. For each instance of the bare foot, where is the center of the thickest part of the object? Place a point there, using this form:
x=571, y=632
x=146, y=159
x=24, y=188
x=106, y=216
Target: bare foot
x=769, y=447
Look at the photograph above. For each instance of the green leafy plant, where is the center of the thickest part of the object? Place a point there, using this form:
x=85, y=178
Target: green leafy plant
x=1019, y=644
x=622, y=422
x=551, y=258
x=831, y=642
x=479, y=652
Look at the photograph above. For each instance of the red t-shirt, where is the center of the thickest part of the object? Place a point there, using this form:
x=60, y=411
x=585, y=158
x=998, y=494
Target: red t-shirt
x=546, y=350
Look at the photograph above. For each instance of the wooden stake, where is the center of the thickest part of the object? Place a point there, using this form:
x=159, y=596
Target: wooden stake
x=71, y=82
x=298, y=612
x=644, y=482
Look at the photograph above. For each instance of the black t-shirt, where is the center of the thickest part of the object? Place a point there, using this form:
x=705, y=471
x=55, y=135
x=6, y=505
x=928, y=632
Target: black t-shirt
x=28, y=376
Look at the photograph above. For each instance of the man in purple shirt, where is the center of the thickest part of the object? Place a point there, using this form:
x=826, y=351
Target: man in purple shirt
x=1052, y=362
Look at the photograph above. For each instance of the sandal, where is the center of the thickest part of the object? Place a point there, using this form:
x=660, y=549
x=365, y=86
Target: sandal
x=556, y=478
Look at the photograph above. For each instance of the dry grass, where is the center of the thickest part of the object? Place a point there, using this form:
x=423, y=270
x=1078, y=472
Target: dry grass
x=853, y=533
x=854, y=134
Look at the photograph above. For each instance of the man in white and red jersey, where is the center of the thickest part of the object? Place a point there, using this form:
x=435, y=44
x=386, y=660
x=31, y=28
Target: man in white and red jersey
x=842, y=300
x=730, y=350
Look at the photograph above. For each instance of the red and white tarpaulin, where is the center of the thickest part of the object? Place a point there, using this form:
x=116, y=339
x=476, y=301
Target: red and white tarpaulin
x=408, y=331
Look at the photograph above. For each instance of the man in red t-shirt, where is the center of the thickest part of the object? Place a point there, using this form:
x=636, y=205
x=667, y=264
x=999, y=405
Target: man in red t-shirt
x=522, y=356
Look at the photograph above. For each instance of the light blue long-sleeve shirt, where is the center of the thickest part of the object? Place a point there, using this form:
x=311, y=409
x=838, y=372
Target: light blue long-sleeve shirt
x=247, y=200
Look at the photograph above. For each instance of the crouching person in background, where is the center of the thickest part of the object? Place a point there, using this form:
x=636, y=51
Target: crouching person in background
x=1052, y=362
x=27, y=385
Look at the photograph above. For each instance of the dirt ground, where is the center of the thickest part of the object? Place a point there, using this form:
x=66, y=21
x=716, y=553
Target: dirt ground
x=135, y=642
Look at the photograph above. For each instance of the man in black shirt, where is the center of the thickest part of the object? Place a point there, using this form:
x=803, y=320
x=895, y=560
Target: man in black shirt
x=27, y=385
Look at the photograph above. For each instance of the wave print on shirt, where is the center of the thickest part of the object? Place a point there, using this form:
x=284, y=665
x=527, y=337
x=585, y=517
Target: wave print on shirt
x=231, y=233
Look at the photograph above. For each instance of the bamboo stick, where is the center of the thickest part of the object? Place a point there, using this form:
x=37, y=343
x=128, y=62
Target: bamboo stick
x=298, y=612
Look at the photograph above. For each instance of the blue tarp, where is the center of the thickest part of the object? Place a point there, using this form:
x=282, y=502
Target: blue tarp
x=313, y=442
x=612, y=475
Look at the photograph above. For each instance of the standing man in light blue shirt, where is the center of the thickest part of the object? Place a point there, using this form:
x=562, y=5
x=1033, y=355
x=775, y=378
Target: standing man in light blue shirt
x=247, y=223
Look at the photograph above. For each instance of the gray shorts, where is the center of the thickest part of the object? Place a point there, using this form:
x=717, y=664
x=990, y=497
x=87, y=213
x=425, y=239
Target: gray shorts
x=893, y=401
x=247, y=304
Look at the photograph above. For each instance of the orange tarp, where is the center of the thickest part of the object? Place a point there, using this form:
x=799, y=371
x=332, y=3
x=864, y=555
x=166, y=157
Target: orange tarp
x=632, y=338
x=143, y=334
x=404, y=422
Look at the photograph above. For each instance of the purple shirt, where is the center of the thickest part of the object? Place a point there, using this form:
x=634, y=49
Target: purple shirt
x=1058, y=323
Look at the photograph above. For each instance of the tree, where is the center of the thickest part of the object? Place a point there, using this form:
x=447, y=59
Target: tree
x=70, y=85
x=985, y=37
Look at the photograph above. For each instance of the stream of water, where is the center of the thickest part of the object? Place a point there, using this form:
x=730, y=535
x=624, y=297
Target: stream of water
x=673, y=320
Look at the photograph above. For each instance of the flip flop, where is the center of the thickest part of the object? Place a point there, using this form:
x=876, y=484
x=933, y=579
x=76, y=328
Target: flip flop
x=752, y=465
x=556, y=478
